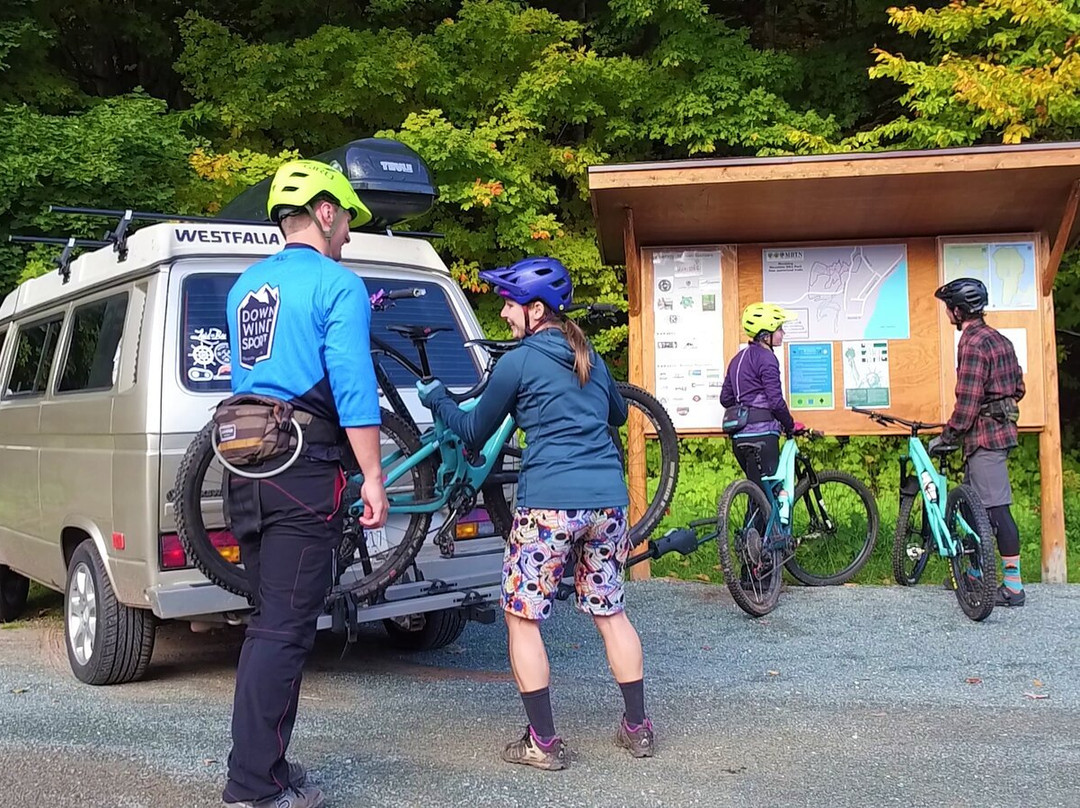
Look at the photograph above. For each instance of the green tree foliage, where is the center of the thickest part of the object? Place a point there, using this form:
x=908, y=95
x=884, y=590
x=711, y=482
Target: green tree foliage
x=123, y=152
x=1006, y=70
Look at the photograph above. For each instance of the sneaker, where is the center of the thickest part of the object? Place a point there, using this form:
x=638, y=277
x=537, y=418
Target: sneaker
x=292, y=797
x=1006, y=597
x=530, y=752
x=639, y=740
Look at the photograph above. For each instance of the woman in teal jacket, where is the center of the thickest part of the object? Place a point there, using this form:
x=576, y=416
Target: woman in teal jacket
x=571, y=497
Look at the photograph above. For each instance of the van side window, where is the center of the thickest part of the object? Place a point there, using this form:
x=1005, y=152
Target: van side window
x=34, y=353
x=94, y=343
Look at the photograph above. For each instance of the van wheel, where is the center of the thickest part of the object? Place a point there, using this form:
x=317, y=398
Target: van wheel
x=107, y=643
x=14, y=590
x=427, y=631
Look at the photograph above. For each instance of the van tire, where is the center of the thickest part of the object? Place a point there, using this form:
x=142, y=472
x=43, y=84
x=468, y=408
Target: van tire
x=14, y=591
x=121, y=638
x=431, y=630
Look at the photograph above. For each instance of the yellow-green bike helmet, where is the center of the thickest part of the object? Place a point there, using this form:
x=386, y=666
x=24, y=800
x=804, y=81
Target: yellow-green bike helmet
x=758, y=317
x=298, y=182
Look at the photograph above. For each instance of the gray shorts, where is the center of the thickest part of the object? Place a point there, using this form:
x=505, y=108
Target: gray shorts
x=986, y=471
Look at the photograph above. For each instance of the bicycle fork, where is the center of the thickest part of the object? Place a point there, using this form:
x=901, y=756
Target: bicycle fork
x=909, y=489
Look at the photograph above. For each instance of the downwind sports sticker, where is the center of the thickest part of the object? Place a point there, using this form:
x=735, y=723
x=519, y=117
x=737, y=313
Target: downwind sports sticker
x=257, y=316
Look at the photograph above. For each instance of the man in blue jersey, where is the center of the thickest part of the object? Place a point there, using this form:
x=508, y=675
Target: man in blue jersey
x=298, y=331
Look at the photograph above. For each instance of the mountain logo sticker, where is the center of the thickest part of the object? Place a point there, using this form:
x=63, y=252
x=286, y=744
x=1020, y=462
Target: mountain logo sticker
x=257, y=315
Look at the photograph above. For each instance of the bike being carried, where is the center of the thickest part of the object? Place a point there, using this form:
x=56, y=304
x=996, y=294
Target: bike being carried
x=429, y=478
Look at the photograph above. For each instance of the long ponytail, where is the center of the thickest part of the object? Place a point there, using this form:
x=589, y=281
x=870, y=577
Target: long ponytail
x=579, y=343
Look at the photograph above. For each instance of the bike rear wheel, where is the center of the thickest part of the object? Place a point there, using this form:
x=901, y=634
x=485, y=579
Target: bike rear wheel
x=912, y=542
x=752, y=564
x=660, y=457
x=201, y=524
x=974, y=568
x=834, y=524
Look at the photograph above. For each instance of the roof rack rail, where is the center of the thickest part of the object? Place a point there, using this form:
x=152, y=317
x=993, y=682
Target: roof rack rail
x=118, y=237
x=63, y=263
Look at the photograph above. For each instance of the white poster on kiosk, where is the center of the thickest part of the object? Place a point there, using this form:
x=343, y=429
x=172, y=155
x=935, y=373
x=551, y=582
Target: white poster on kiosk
x=688, y=333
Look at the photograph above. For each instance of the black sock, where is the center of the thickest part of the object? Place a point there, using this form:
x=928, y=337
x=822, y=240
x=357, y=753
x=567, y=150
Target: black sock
x=633, y=694
x=538, y=709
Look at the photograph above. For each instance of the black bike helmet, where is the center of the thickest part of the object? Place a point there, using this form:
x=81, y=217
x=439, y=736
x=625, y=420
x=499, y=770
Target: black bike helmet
x=967, y=294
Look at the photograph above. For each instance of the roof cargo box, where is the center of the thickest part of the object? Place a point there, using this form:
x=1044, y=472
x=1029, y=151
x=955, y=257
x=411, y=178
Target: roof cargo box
x=389, y=177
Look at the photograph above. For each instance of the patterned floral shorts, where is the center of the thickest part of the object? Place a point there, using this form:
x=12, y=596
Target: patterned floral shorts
x=543, y=542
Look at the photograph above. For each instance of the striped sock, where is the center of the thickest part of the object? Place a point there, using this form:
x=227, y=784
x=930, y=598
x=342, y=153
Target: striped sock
x=1010, y=573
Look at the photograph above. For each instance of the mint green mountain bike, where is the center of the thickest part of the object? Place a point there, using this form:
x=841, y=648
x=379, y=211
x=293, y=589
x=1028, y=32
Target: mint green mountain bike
x=932, y=518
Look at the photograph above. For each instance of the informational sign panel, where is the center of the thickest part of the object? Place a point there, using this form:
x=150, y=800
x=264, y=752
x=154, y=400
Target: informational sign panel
x=688, y=328
x=866, y=374
x=1007, y=268
x=810, y=376
x=856, y=292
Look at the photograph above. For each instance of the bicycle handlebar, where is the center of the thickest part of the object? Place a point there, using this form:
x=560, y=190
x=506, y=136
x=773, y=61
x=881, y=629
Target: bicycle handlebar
x=882, y=418
x=381, y=298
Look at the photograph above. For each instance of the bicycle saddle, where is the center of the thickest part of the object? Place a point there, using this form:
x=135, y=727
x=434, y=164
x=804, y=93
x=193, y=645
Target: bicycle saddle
x=495, y=347
x=417, y=333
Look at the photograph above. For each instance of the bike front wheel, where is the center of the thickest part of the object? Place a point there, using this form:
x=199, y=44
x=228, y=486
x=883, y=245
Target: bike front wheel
x=834, y=523
x=913, y=541
x=974, y=568
x=752, y=563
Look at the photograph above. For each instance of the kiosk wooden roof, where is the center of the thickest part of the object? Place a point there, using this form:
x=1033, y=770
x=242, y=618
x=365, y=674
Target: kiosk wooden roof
x=985, y=189
x=912, y=197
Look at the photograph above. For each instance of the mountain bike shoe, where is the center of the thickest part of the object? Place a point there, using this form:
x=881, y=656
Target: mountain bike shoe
x=1006, y=597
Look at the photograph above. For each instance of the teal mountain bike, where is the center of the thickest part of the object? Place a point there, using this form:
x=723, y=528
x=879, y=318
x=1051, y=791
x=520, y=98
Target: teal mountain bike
x=432, y=482
x=932, y=518
x=819, y=525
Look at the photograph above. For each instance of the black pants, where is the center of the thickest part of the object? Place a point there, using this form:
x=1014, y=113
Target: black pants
x=288, y=528
x=758, y=456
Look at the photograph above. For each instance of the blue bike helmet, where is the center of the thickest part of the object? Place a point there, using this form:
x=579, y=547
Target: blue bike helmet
x=532, y=279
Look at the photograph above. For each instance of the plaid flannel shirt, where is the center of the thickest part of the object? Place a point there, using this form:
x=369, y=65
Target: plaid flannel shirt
x=987, y=369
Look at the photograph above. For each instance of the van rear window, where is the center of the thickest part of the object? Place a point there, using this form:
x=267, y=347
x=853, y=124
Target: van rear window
x=204, y=358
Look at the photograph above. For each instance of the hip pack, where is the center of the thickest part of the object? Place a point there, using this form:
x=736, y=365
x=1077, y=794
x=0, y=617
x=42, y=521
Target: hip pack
x=252, y=429
x=1003, y=410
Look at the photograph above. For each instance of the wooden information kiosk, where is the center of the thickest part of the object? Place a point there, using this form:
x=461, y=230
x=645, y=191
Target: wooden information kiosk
x=855, y=244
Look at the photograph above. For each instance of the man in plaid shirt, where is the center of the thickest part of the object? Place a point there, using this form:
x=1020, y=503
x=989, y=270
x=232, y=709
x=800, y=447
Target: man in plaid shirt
x=989, y=384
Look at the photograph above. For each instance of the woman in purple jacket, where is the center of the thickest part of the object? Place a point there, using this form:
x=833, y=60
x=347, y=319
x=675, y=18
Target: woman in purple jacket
x=753, y=380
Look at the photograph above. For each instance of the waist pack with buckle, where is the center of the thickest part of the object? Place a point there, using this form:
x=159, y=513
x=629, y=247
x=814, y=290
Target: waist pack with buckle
x=252, y=429
x=1003, y=410
x=737, y=416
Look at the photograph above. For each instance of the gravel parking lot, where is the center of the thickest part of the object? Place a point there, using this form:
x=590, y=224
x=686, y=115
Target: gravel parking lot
x=845, y=696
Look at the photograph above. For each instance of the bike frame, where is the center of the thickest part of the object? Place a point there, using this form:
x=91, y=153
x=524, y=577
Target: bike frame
x=783, y=480
x=933, y=511
x=454, y=470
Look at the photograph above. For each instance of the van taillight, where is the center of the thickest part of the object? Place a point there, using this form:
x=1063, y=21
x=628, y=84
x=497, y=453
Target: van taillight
x=173, y=556
x=475, y=523
x=226, y=545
